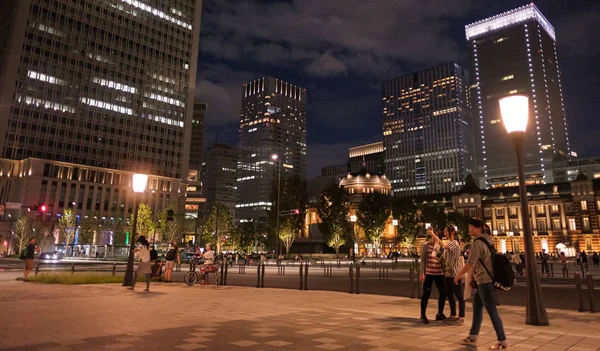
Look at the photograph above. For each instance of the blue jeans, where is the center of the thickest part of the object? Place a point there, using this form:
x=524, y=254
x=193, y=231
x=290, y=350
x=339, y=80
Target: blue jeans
x=486, y=297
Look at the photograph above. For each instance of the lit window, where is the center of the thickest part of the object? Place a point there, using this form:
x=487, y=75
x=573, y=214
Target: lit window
x=499, y=212
x=586, y=223
x=572, y=224
x=45, y=78
x=114, y=85
x=554, y=208
x=584, y=205
x=509, y=77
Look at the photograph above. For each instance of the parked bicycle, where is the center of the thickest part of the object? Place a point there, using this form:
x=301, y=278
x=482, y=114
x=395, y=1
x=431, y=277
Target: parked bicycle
x=203, y=274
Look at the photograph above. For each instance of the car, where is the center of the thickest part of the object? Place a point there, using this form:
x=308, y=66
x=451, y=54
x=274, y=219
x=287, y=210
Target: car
x=50, y=256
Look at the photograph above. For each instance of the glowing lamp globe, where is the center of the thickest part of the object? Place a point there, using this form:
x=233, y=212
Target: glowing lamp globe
x=515, y=112
x=139, y=182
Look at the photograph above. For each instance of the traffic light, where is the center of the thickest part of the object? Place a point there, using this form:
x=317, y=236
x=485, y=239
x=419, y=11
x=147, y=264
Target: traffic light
x=43, y=208
x=170, y=214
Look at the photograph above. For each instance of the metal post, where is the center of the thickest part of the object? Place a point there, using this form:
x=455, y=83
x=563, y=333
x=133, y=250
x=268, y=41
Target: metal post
x=552, y=270
x=37, y=268
x=114, y=269
x=305, y=276
x=579, y=292
x=411, y=277
x=225, y=275
x=128, y=279
x=351, y=275
x=301, y=277
x=258, y=276
x=262, y=276
x=357, y=290
x=536, y=310
x=590, y=284
x=278, y=246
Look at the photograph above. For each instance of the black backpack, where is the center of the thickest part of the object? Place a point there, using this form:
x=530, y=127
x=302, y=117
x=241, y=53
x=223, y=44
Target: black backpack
x=171, y=254
x=504, y=276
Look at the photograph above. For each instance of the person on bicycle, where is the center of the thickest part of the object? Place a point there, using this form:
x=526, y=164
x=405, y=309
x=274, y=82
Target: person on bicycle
x=209, y=261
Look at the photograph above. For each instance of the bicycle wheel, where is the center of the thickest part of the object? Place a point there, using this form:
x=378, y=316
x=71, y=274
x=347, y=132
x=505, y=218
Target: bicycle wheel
x=190, y=278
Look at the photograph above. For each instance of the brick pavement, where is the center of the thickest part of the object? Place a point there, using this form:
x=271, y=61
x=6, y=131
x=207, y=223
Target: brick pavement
x=176, y=317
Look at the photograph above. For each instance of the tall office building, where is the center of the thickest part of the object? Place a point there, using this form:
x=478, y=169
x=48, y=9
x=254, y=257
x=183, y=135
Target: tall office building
x=369, y=156
x=195, y=200
x=220, y=179
x=272, y=121
x=515, y=53
x=93, y=91
x=427, y=132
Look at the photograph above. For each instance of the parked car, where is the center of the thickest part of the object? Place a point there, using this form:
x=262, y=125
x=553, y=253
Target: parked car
x=50, y=256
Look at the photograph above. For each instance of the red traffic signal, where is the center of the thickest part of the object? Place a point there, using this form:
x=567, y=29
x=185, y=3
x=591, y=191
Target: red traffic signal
x=296, y=211
x=43, y=208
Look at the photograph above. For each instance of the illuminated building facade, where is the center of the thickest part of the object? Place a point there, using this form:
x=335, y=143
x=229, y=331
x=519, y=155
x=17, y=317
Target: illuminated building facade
x=220, y=179
x=272, y=121
x=515, y=53
x=103, y=88
x=427, y=131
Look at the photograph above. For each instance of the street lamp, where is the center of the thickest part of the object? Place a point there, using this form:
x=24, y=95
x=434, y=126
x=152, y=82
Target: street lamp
x=515, y=113
x=275, y=157
x=354, y=248
x=139, y=186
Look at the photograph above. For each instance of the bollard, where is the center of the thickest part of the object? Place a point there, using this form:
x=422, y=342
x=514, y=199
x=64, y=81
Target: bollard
x=281, y=270
x=552, y=269
x=351, y=275
x=73, y=268
x=258, y=276
x=322, y=263
x=411, y=278
x=225, y=275
x=327, y=271
x=114, y=269
x=301, y=278
x=579, y=293
x=590, y=286
x=305, y=276
x=242, y=269
x=373, y=265
x=339, y=264
x=262, y=276
x=357, y=290
x=37, y=268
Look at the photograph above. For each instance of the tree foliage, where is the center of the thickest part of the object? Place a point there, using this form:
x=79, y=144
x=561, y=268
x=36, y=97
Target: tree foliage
x=145, y=224
x=21, y=232
x=405, y=211
x=462, y=223
x=219, y=224
x=333, y=207
x=288, y=232
x=42, y=232
x=66, y=227
x=293, y=196
x=373, y=214
x=89, y=226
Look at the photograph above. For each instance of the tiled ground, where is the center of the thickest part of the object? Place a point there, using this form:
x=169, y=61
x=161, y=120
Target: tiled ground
x=176, y=317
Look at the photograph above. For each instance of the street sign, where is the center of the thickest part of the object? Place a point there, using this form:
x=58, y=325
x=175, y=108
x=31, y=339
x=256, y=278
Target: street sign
x=13, y=206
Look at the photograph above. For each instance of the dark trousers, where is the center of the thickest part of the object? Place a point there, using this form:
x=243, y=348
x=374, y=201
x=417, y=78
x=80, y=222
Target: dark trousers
x=545, y=268
x=427, y=285
x=455, y=291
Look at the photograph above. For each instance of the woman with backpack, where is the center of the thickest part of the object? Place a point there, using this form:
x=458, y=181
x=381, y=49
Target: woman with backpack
x=172, y=255
x=145, y=265
x=453, y=263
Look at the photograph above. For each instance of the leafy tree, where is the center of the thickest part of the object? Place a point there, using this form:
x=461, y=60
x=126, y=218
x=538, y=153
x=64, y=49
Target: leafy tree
x=435, y=216
x=293, y=196
x=373, y=214
x=288, y=232
x=248, y=236
x=173, y=230
x=462, y=223
x=66, y=227
x=405, y=211
x=332, y=208
x=145, y=224
x=21, y=232
x=219, y=224
x=43, y=234
x=88, y=228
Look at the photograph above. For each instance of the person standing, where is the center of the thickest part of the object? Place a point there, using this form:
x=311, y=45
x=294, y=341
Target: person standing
x=516, y=259
x=584, y=261
x=595, y=258
x=27, y=255
x=453, y=264
x=432, y=272
x=563, y=261
x=172, y=255
x=480, y=263
x=544, y=259
x=145, y=265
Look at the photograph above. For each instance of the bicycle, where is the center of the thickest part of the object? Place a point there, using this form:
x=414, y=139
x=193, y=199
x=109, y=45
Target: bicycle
x=192, y=277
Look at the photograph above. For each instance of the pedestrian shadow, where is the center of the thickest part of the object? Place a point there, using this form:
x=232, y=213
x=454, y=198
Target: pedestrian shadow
x=147, y=294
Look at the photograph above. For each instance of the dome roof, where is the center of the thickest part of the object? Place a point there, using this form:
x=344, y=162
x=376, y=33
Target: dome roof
x=581, y=176
x=365, y=179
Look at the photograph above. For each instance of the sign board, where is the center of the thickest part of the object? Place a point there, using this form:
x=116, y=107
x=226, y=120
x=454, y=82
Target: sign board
x=13, y=206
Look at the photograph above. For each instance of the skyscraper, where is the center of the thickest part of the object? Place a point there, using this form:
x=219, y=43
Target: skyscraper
x=98, y=87
x=197, y=141
x=220, y=180
x=515, y=53
x=427, y=131
x=272, y=122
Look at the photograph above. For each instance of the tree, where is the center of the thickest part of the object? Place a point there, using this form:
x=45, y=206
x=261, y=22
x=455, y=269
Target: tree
x=248, y=236
x=434, y=215
x=293, y=196
x=145, y=225
x=462, y=223
x=173, y=230
x=333, y=207
x=288, y=232
x=373, y=214
x=43, y=234
x=21, y=232
x=219, y=224
x=88, y=228
x=405, y=211
x=66, y=227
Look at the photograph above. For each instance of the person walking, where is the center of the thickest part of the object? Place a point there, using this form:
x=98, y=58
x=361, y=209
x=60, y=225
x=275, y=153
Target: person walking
x=516, y=259
x=545, y=266
x=145, y=265
x=584, y=261
x=27, y=254
x=172, y=255
x=453, y=263
x=563, y=261
x=432, y=272
x=595, y=258
x=480, y=263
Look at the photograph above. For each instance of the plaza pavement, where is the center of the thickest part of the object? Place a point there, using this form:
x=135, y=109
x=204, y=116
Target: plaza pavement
x=176, y=317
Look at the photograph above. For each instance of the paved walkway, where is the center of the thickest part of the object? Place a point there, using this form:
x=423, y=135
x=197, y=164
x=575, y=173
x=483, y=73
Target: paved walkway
x=176, y=317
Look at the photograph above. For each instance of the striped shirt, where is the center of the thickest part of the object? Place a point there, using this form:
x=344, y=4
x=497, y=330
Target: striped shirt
x=434, y=264
x=452, y=256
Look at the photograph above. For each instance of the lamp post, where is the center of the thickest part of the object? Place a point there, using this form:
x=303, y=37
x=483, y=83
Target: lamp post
x=353, y=220
x=515, y=113
x=276, y=158
x=139, y=185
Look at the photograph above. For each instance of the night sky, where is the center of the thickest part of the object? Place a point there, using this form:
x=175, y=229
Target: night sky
x=341, y=50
